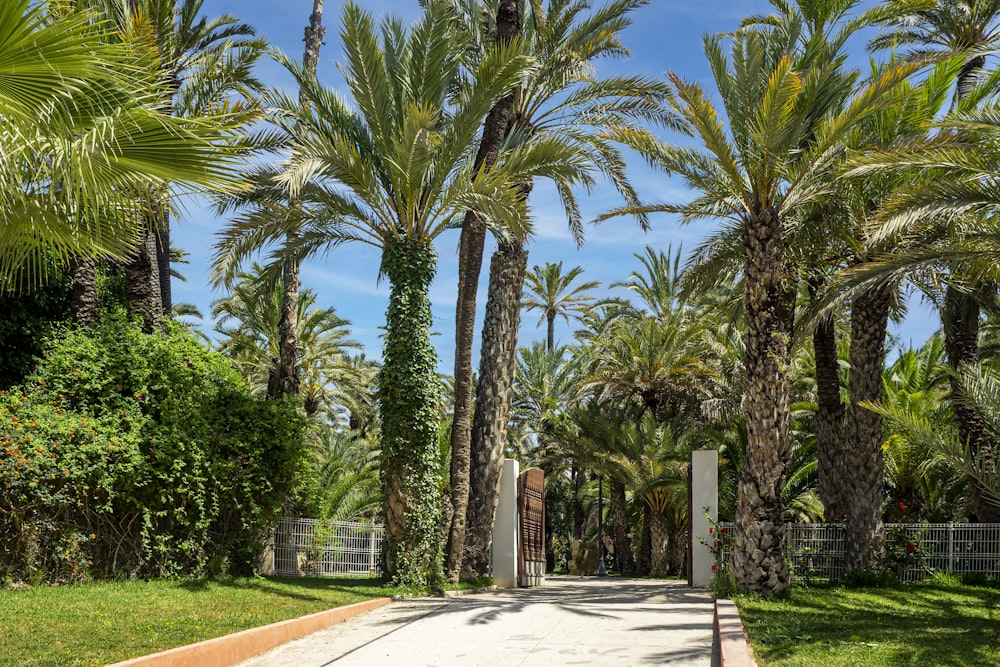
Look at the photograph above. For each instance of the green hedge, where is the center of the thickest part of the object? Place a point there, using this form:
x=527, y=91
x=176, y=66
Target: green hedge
x=127, y=454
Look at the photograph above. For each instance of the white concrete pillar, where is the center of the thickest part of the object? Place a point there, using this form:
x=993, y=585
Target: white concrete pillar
x=505, y=528
x=704, y=494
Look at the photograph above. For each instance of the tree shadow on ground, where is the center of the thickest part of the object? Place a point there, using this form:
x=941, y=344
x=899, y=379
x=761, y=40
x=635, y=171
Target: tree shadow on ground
x=926, y=624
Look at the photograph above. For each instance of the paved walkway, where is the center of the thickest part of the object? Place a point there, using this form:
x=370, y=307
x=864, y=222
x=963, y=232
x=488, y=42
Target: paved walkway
x=568, y=621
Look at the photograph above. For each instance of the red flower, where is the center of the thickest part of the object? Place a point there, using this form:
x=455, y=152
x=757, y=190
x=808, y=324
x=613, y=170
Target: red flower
x=841, y=517
x=723, y=530
x=715, y=566
x=711, y=530
x=910, y=546
x=902, y=505
x=715, y=545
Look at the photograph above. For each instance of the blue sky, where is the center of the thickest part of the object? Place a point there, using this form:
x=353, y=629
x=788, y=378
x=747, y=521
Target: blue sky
x=666, y=36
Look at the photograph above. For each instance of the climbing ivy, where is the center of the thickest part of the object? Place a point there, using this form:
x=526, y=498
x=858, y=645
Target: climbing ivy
x=409, y=393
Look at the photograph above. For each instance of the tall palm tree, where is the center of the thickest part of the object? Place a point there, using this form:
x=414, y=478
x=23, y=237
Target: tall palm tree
x=289, y=349
x=470, y=261
x=554, y=294
x=561, y=98
x=207, y=67
x=393, y=170
x=779, y=145
x=83, y=130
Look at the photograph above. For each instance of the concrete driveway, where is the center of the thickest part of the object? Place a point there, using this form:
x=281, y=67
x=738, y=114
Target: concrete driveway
x=568, y=621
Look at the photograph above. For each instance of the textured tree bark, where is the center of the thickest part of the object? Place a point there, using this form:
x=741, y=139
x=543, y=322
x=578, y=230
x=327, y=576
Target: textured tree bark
x=142, y=278
x=830, y=414
x=470, y=263
x=862, y=464
x=644, y=563
x=163, y=264
x=619, y=520
x=659, y=533
x=960, y=319
x=758, y=555
x=493, y=400
x=550, y=331
x=288, y=341
x=85, y=302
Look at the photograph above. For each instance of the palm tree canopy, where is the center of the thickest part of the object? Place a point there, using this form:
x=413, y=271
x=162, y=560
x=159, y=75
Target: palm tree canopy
x=84, y=129
x=553, y=293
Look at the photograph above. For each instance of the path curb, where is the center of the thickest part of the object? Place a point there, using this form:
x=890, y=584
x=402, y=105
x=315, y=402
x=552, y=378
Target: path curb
x=734, y=648
x=235, y=648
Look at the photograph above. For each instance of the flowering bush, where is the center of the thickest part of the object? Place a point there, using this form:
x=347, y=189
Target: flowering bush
x=903, y=552
x=719, y=543
x=129, y=454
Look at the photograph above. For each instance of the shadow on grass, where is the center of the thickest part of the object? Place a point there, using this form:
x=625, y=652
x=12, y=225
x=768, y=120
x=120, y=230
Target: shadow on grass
x=296, y=588
x=926, y=624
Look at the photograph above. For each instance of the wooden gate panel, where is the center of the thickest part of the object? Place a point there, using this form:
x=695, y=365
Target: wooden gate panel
x=531, y=527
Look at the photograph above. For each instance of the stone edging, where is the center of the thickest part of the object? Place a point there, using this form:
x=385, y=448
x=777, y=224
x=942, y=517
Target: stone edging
x=734, y=649
x=235, y=648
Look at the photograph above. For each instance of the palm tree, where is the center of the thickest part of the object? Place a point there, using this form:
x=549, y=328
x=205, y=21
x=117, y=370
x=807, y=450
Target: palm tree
x=253, y=341
x=470, y=262
x=554, y=294
x=392, y=171
x=562, y=99
x=289, y=348
x=207, y=67
x=968, y=29
x=773, y=159
x=83, y=130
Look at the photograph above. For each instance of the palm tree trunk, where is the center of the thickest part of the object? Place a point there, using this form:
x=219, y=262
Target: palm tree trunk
x=470, y=263
x=829, y=420
x=659, y=533
x=578, y=517
x=142, y=276
x=163, y=263
x=288, y=342
x=644, y=563
x=550, y=338
x=619, y=521
x=85, y=302
x=409, y=397
x=862, y=465
x=493, y=400
x=961, y=338
x=759, y=541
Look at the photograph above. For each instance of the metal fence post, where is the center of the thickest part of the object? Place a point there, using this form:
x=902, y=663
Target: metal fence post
x=951, y=548
x=371, y=545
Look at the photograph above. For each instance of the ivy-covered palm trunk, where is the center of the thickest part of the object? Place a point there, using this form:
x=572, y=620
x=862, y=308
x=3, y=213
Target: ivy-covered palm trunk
x=758, y=556
x=498, y=362
x=862, y=465
x=408, y=399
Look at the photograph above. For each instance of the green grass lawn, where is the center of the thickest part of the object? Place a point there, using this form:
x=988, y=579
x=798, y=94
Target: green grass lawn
x=930, y=625
x=94, y=624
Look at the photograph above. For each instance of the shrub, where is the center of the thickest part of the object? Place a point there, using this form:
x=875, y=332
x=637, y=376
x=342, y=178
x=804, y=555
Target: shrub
x=127, y=454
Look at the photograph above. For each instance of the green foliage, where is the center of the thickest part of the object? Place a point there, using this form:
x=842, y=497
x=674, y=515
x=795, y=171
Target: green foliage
x=903, y=551
x=720, y=542
x=130, y=454
x=27, y=320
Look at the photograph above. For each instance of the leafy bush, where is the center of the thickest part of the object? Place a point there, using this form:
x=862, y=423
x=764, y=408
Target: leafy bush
x=126, y=454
